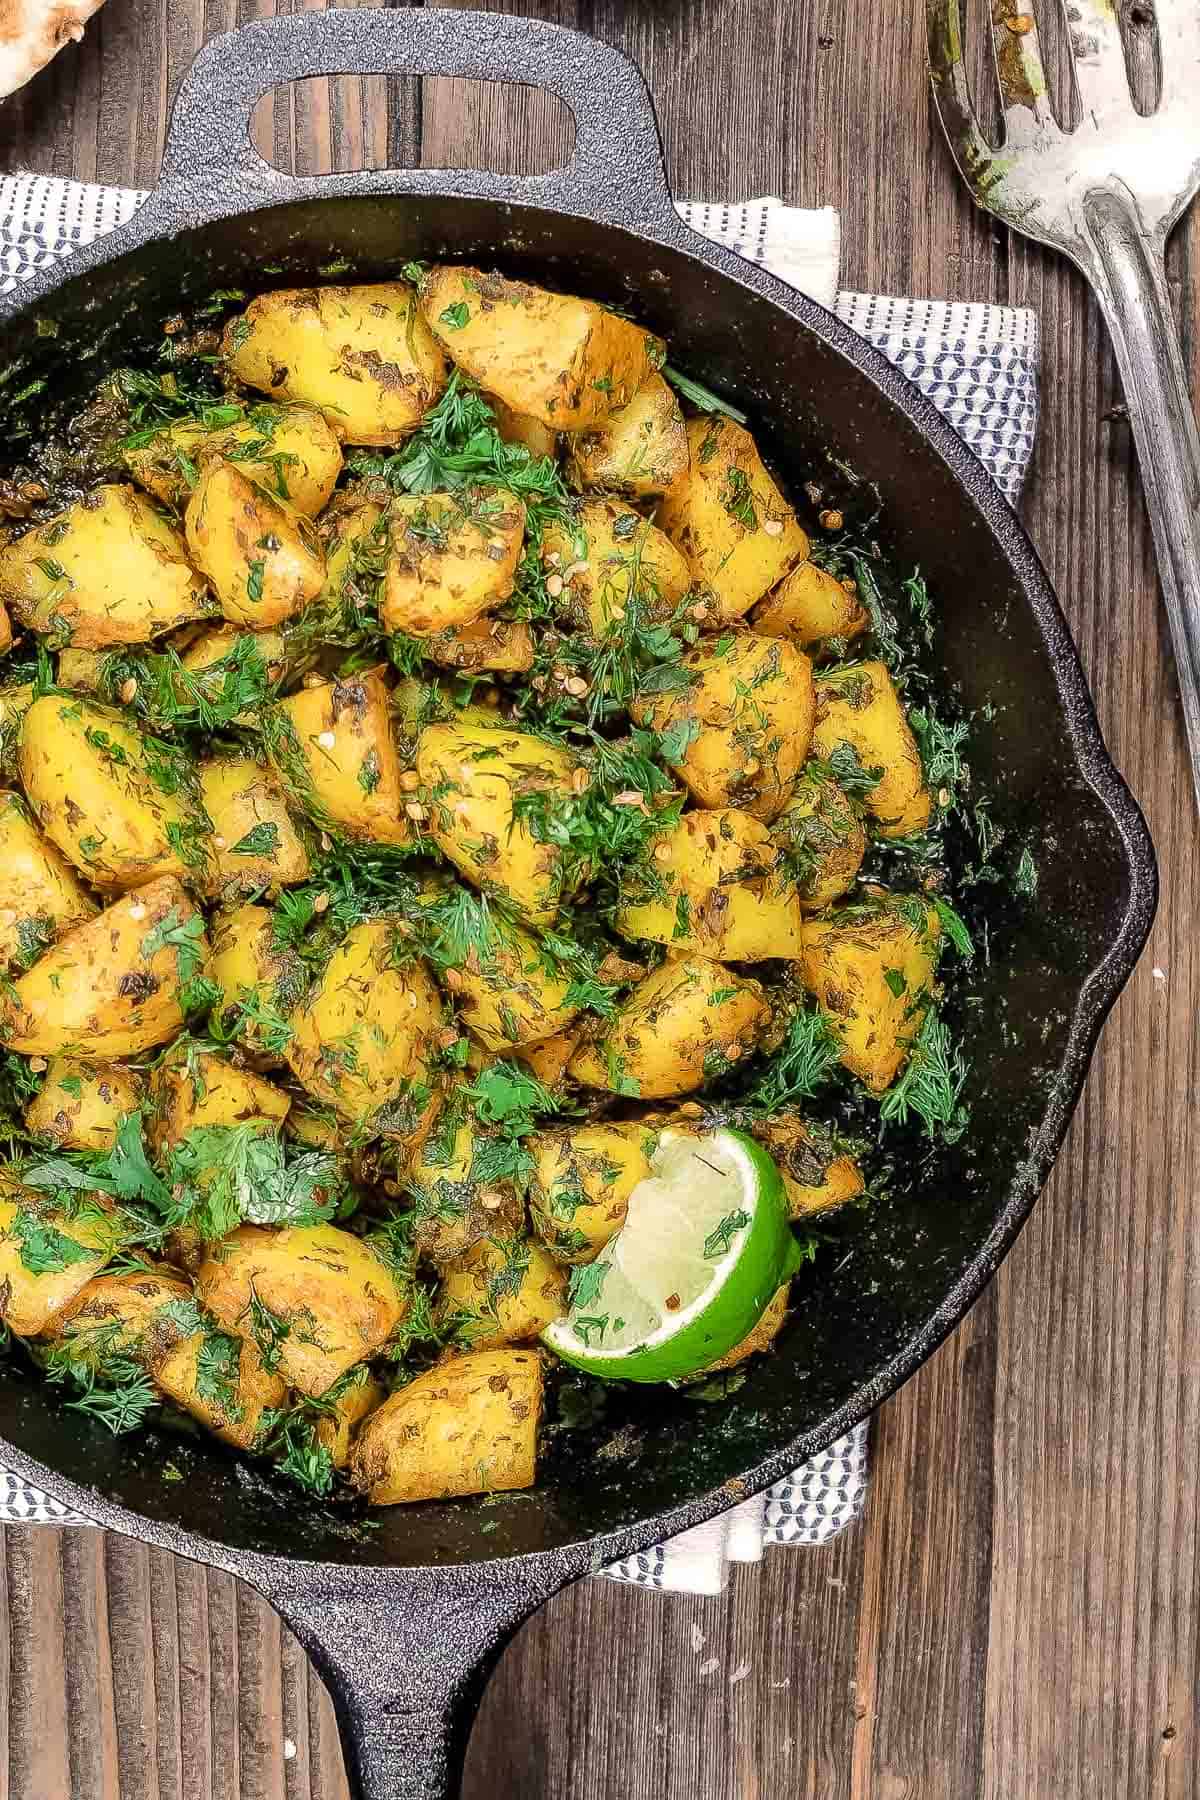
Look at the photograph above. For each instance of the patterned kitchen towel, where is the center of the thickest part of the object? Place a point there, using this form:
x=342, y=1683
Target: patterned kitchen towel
x=979, y=366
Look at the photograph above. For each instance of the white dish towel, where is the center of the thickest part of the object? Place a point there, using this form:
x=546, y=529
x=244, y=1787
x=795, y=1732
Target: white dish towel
x=979, y=366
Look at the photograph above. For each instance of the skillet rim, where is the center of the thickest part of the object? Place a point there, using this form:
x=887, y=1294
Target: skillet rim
x=157, y=220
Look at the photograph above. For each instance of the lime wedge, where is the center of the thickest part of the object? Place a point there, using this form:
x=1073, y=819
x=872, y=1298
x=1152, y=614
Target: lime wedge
x=704, y=1246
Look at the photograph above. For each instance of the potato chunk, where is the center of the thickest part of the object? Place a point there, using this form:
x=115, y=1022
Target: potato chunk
x=685, y=1023
x=223, y=656
x=501, y=646
x=510, y=989
x=501, y=1291
x=262, y=557
x=141, y=1313
x=79, y=1105
x=762, y=1336
x=468, y=1426
x=348, y=1402
x=292, y=451
x=818, y=1173
x=15, y=701
x=473, y=772
x=640, y=451
x=565, y=361
x=363, y=1041
x=451, y=557
x=872, y=968
x=199, y=1089
x=821, y=840
x=110, y=986
x=332, y=746
x=118, y=806
x=744, y=723
x=717, y=892
x=730, y=520
x=255, y=845
x=581, y=1183
x=608, y=557
x=40, y=896
x=457, y=1197
x=222, y=1381
x=859, y=706
x=314, y=1298
x=109, y=570
x=48, y=1252
x=363, y=355
x=518, y=428
x=261, y=981
x=808, y=605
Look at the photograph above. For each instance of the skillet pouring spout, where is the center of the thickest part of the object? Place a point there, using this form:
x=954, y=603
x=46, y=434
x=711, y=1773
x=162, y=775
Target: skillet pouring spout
x=404, y=1619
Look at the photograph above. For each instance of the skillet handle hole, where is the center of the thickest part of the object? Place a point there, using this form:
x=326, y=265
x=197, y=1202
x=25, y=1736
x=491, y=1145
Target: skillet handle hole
x=334, y=124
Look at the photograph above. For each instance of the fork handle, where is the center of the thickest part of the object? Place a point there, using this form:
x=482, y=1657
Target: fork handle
x=1131, y=284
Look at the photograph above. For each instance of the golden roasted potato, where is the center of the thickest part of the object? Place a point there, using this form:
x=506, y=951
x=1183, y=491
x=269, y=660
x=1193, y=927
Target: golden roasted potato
x=354, y=539
x=254, y=845
x=502, y=646
x=811, y=604
x=79, y=1105
x=451, y=557
x=6, y=631
x=348, y=1402
x=565, y=361
x=15, y=701
x=222, y=1381
x=316, y=1127
x=110, y=987
x=684, y=1024
x=41, y=896
x=716, y=892
x=818, y=1174
x=198, y=1089
x=141, y=1312
x=549, y=1057
x=872, y=967
x=363, y=355
x=509, y=988
x=744, y=723
x=108, y=570
x=726, y=514
x=640, y=451
x=581, y=1182
x=364, y=1039
x=859, y=706
x=117, y=804
x=292, y=451
x=332, y=746
x=261, y=982
x=604, y=555
x=457, y=1199
x=81, y=670
x=519, y=428
x=468, y=1426
x=220, y=650
x=315, y=1299
x=261, y=556
x=48, y=1251
x=821, y=840
x=762, y=1336
x=473, y=771
x=501, y=1291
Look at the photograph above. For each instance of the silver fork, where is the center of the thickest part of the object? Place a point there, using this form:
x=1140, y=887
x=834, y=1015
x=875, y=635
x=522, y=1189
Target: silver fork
x=1108, y=194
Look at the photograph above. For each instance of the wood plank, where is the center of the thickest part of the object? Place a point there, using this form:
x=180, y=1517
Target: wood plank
x=38, y=1755
x=196, y=1749
x=91, y=1703
x=130, y=1631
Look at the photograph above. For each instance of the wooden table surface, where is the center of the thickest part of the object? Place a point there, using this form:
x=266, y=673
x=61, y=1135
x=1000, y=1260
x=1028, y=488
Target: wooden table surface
x=1016, y=1618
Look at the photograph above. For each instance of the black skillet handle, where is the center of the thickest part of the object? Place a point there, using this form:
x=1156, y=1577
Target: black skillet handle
x=405, y=1655
x=210, y=168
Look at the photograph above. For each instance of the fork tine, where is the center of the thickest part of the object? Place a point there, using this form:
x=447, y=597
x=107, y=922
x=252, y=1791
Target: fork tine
x=1179, y=52
x=971, y=150
x=1019, y=67
x=1097, y=58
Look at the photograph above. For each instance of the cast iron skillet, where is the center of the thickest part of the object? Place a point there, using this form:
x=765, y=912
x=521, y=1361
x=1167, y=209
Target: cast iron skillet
x=404, y=1622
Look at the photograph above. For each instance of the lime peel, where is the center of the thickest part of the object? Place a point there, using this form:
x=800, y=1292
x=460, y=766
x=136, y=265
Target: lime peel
x=705, y=1245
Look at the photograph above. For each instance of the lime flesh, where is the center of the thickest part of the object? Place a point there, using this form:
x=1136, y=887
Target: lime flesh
x=704, y=1246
